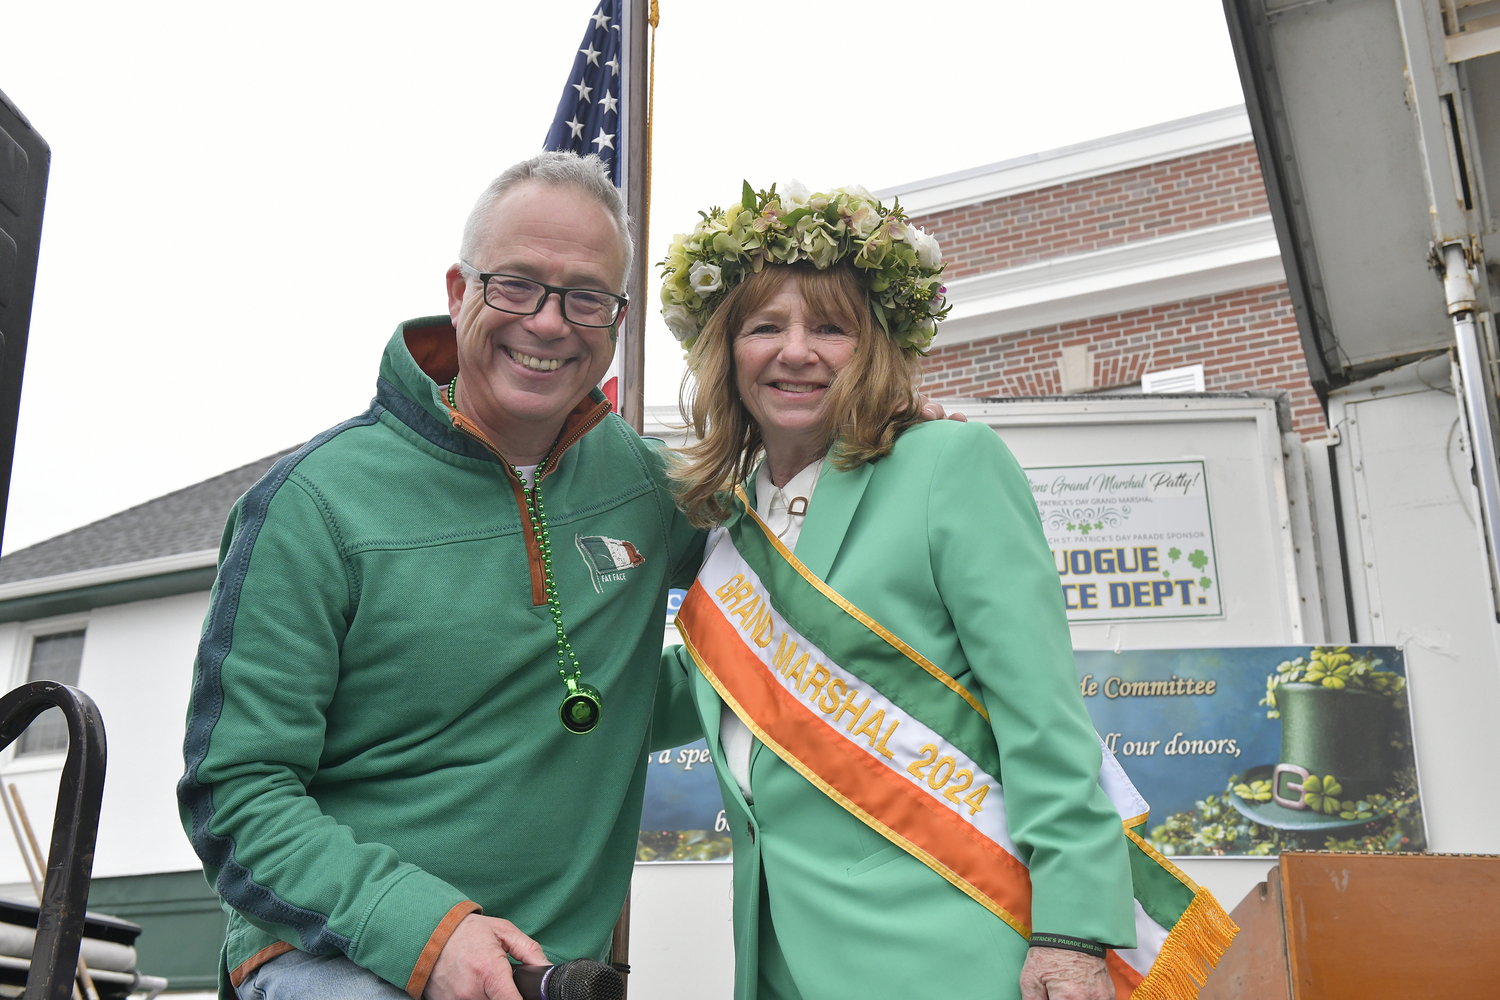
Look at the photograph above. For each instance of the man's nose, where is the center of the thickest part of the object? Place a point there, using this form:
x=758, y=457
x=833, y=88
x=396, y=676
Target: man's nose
x=548, y=321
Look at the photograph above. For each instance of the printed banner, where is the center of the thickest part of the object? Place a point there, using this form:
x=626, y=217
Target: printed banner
x=1130, y=541
x=683, y=815
x=1254, y=750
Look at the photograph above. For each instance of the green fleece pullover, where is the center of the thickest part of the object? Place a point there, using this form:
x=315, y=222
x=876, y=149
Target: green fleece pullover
x=373, y=748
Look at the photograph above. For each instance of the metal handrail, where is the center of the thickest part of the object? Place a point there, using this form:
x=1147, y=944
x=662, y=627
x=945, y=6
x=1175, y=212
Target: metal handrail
x=75, y=827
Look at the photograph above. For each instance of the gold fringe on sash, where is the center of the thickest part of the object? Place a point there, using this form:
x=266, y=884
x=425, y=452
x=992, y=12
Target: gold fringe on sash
x=1192, y=951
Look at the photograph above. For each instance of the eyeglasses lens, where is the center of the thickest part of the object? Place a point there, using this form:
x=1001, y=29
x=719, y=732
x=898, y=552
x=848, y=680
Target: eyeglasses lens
x=580, y=306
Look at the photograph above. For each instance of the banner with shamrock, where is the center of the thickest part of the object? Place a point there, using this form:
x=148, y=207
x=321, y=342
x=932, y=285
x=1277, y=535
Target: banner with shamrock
x=1131, y=541
x=1249, y=751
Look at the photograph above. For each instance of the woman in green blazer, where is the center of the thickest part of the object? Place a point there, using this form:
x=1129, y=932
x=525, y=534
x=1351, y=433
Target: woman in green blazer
x=931, y=531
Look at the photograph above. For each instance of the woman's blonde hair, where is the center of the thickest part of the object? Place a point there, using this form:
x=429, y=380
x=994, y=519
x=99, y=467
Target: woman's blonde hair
x=873, y=398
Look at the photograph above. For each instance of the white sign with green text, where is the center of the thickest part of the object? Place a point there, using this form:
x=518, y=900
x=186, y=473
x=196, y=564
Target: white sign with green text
x=1130, y=541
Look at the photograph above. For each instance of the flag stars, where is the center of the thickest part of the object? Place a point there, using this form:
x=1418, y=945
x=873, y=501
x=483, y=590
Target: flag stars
x=600, y=19
x=591, y=54
x=576, y=127
x=584, y=90
x=603, y=141
x=613, y=62
x=610, y=102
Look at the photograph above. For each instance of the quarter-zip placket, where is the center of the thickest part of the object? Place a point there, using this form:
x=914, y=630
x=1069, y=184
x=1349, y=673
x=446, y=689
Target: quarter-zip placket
x=573, y=430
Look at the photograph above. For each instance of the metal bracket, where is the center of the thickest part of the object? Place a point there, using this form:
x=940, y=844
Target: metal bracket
x=75, y=828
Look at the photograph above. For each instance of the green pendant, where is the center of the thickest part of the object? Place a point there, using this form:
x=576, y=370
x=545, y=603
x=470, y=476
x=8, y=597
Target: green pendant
x=581, y=707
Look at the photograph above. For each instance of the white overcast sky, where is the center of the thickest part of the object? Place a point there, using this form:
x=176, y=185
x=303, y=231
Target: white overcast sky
x=246, y=198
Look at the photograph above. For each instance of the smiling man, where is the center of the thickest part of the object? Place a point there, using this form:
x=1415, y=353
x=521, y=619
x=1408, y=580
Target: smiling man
x=417, y=736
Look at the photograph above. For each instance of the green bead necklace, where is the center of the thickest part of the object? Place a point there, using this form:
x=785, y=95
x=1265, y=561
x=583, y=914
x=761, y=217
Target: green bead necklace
x=582, y=706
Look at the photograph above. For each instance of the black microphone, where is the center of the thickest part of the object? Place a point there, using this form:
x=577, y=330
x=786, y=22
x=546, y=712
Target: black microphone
x=580, y=979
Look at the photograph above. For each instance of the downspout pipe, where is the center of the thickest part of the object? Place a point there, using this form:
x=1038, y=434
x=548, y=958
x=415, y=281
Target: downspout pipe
x=1458, y=290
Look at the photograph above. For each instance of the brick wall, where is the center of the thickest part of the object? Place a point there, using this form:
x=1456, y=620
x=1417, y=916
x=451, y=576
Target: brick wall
x=1205, y=189
x=1244, y=340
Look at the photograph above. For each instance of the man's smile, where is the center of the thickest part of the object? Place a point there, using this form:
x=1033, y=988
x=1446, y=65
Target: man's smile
x=535, y=364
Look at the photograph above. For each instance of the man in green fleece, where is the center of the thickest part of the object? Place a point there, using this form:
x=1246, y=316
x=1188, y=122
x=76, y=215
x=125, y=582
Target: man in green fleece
x=378, y=775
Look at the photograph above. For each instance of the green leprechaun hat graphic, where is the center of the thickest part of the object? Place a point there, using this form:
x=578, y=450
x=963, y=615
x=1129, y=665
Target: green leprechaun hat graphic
x=1338, y=713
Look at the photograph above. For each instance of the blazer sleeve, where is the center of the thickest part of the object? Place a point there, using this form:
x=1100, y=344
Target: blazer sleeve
x=675, y=721
x=995, y=574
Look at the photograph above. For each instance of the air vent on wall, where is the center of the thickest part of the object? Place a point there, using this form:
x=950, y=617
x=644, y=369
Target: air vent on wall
x=1188, y=379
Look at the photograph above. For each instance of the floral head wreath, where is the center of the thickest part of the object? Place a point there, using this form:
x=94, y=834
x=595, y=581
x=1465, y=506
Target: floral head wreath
x=897, y=264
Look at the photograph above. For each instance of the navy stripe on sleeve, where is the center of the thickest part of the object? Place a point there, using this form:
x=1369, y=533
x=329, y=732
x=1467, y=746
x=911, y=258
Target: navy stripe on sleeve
x=235, y=884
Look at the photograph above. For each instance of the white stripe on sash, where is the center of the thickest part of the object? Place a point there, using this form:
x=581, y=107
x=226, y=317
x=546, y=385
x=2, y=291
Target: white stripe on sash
x=872, y=722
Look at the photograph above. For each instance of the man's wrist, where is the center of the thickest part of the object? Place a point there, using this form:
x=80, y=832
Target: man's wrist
x=1064, y=941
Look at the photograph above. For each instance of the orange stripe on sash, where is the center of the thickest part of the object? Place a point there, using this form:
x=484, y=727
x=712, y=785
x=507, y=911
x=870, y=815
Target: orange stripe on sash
x=1122, y=975
x=877, y=795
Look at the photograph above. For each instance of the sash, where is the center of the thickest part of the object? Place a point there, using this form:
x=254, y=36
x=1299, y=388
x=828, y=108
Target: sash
x=900, y=744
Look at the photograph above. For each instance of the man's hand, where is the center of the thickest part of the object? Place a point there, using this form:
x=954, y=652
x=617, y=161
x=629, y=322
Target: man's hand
x=475, y=964
x=1060, y=974
x=934, y=411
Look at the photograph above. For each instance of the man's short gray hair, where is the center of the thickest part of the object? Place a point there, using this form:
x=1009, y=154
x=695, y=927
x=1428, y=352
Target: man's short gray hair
x=557, y=169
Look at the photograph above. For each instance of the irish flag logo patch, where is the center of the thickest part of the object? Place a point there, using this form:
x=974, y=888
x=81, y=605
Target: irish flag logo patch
x=607, y=558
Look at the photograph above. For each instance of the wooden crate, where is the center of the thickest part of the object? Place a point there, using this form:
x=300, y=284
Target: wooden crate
x=1330, y=926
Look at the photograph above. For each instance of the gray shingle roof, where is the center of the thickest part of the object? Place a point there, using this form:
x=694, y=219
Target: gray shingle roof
x=188, y=520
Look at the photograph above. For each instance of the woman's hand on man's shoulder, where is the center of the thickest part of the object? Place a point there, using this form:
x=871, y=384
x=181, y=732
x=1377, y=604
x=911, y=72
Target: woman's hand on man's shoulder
x=933, y=410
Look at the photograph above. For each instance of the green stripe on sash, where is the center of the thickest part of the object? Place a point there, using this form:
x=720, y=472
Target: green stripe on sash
x=852, y=645
x=1160, y=893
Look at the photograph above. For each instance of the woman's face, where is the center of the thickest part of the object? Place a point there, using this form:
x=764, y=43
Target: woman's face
x=784, y=362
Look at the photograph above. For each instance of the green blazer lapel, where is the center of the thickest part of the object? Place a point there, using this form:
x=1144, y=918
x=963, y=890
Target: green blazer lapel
x=834, y=501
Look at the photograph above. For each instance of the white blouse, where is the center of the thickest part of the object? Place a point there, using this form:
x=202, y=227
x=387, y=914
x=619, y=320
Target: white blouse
x=783, y=510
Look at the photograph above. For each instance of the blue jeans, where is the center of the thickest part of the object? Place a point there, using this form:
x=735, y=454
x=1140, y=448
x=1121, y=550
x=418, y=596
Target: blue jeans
x=300, y=976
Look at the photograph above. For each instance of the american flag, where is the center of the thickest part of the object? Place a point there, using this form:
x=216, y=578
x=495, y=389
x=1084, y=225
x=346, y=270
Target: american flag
x=590, y=118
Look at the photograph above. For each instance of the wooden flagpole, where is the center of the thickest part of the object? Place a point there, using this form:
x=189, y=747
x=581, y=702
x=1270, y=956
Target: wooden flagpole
x=639, y=23
x=640, y=16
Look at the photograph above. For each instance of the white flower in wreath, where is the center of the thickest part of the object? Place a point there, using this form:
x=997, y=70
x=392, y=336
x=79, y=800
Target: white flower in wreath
x=928, y=254
x=705, y=278
x=680, y=322
x=864, y=225
x=794, y=194
x=922, y=333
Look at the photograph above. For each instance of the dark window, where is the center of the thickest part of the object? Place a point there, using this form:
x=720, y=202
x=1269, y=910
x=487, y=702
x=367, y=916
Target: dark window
x=55, y=657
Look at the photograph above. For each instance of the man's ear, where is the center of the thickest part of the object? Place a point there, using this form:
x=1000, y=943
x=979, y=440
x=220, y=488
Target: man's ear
x=457, y=286
x=614, y=331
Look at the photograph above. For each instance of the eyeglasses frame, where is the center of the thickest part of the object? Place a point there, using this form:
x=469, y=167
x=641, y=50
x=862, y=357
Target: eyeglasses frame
x=547, y=291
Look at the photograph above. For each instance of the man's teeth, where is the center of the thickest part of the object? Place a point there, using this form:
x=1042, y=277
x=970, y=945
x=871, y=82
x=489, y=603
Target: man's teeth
x=795, y=386
x=535, y=364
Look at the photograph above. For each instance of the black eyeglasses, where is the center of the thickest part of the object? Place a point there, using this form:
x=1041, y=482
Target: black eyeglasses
x=511, y=293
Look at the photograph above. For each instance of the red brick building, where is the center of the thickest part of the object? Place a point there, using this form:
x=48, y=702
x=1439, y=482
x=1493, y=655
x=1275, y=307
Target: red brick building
x=1085, y=268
